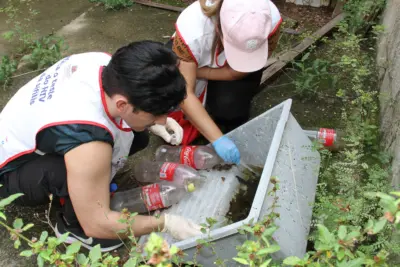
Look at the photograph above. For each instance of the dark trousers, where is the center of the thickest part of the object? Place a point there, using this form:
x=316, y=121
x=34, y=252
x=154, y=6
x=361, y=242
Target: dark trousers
x=46, y=175
x=229, y=102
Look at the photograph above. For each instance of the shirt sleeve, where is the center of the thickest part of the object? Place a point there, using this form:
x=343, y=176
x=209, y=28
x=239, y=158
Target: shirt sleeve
x=182, y=49
x=62, y=138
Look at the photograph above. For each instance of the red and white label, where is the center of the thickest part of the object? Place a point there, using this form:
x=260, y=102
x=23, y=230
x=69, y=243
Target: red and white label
x=187, y=156
x=167, y=171
x=328, y=135
x=152, y=197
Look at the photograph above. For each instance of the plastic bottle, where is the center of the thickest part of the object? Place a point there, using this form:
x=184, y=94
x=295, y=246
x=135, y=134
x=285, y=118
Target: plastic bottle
x=197, y=157
x=147, y=198
x=329, y=138
x=179, y=175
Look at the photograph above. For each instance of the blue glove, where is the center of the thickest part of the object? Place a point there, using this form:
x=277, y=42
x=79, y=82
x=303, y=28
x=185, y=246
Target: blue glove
x=227, y=150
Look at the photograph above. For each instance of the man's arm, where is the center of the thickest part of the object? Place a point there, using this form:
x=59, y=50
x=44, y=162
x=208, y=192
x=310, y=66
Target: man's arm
x=192, y=106
x=88, y=174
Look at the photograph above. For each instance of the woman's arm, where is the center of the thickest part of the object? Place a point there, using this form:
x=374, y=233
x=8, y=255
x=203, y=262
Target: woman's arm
x=193, y=108
x=225, y=73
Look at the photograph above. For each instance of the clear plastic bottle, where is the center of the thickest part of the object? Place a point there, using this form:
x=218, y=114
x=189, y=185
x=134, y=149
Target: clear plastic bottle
x=147, y=198
x=197, y=157
x=329, y=138
x=179, y=175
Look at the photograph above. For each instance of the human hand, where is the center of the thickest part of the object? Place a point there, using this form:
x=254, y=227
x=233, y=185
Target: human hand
x=162, y=131
x=227, y=150
x=179, y=227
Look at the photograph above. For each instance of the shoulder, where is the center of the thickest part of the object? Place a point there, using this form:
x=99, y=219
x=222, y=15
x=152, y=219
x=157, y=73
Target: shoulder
x=276, y=18
x=62, y=138
x=194, y=34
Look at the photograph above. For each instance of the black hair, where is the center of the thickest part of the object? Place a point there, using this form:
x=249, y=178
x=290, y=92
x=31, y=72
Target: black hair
x=147, y=74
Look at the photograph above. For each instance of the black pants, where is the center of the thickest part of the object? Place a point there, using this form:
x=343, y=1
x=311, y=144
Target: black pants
x=229, y=102
x=46, y=175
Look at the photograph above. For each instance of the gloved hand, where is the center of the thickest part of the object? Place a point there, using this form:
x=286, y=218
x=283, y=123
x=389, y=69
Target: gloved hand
x=227, y=150
x=162, y=131
x=179, y=227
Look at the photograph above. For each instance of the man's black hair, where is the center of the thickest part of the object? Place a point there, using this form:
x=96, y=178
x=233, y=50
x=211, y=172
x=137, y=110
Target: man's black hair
x=147, y=74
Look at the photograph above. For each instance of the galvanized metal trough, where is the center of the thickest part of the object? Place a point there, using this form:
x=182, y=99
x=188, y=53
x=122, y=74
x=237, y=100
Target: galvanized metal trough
x=273, y=140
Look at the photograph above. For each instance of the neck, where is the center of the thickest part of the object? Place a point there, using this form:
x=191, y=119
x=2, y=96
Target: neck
x=112, y=109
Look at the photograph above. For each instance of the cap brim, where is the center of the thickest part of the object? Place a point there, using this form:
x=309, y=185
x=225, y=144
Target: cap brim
x=244, y=61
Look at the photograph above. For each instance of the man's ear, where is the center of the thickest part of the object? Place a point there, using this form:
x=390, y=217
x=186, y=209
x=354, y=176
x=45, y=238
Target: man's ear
x=121, y=103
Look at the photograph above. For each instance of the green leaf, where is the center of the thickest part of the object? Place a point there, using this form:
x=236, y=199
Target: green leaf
x=248, y=229
x=269, y=231
x=7, y=201
x=17, y=243
x=379, y=226
x=26, y=57
x=340, y=254
x=241, y=261
x=271, y=249
x=73, y=248
x=211, y=221
x=395, y=193
x=173, y=250
x=292, y=261
x=266, y=263
x=40, y=261
x=81, y=259
x=18, y=223
x=385, y=196
x=44, y=236
x=352, y=235
x=342, y=232
x=397, y=218
x=8, y=35
x=52, y=242
x=27, y=227
x=325, y=236
x=62, y=238
x=95, y=254
x=26, y=253
x=353, y=263
x=3, y=216
x=65, y=257
x=131, y=262
x=305, y=56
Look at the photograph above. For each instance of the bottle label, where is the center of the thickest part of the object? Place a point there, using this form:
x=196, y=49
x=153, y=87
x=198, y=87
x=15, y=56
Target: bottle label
x=167, y=171
x=152, y=197
x=187, y=156
x=327, y=135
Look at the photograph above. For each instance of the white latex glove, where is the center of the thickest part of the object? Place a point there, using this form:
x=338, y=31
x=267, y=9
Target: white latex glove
x=162, y=131
x=180, y=228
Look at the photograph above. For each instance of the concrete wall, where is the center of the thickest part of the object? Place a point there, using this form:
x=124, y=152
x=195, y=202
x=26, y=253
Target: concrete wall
x=389, y=64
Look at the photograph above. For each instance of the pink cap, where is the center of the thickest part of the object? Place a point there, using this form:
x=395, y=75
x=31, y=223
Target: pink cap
x=246, y=25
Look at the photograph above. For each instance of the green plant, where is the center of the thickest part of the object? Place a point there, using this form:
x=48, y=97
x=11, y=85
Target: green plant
x=39, y=53
x=7, y=67
x=340, y=247
x=114, y=4
x=361, y=14
x=18, y=28
x=45, y=51
x=257, y=249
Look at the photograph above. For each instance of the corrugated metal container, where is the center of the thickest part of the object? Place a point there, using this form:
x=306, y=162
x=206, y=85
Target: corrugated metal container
x=273, y=140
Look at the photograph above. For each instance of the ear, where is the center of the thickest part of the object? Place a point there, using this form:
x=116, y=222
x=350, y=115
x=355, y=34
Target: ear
x=122, y=103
